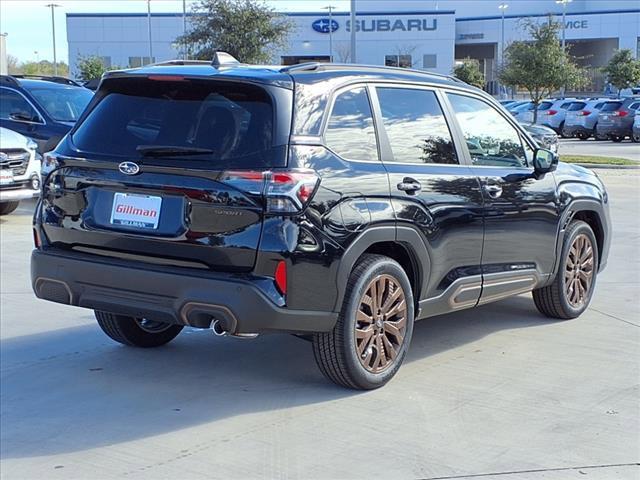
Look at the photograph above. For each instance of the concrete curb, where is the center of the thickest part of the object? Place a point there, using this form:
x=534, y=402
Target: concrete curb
x=603, y=165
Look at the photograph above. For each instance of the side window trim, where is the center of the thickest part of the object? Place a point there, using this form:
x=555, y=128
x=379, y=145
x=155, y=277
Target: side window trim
x=386, y=154
x=524, y=137
x=329, y=111
x=42, y=122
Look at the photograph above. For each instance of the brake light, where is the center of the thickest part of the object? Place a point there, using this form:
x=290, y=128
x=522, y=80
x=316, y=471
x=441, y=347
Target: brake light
x=585, y=113
x=167, y=78
x=36, y=238
x=280, y=277
x=551, y=112
x=285, y=191
x=620, y=113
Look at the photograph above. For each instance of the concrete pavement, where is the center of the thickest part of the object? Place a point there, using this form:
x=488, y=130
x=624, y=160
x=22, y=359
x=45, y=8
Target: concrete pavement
x=498, y=391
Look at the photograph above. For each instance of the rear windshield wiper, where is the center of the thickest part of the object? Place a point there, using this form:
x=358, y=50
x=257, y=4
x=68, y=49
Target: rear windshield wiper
x=169, y=150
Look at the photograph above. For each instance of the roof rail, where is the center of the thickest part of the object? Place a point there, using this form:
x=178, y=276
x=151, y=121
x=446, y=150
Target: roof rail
x=9, y=80
x=180, y=62
x=326, y=66
x=50, y=78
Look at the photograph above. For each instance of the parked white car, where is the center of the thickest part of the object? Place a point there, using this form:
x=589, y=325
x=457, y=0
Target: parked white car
x=19, y=170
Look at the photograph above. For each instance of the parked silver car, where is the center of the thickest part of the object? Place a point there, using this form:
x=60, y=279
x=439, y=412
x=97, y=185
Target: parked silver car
x=581, y=118
x=636, y=127
x=524, y=114
x=554, y=115
x=615, y=119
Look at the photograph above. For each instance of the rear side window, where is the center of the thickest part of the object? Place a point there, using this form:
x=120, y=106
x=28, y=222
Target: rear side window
x=350, y=132
x=565, y=105
x=415, y=126
x=575, y=106
x=599, y=105
x=545, y=105
x=231, y=123
x=611, y=106
x=634, y=106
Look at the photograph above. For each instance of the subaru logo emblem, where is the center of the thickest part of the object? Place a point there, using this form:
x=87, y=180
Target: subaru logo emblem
x=324, y=25
x=129, y=168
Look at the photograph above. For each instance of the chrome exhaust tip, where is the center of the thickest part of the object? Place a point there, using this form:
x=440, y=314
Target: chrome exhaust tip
x=218, y=329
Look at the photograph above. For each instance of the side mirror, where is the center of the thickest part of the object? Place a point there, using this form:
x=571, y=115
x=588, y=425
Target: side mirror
x=544, y=161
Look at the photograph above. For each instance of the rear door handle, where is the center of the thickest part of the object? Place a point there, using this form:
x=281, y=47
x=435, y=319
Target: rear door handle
x=409, y=185
x=494, y=191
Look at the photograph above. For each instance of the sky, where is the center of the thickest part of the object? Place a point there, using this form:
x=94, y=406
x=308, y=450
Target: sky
x=27, y=23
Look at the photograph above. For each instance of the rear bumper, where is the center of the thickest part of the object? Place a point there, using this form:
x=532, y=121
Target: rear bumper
x=167, y=294
x=613, y=130
x=572, y=130
x=18, y=194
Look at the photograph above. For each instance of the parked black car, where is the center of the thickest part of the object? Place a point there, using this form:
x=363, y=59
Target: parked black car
x=43, y=108
x=615, y=119
x=337, y=202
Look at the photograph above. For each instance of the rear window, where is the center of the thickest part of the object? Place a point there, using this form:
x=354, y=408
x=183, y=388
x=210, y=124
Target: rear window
x=63, y=104
x=231, y=122
x=575, y=106
x=565, y=105
x=611, y=106
x=545, y=105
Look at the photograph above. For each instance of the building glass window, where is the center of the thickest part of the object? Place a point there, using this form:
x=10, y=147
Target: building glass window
x=430, y=61
x=350, y=132
x=415, y=126
x=402, y=61
x=135, y=62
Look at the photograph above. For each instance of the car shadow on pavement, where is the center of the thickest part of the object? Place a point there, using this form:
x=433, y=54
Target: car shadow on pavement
x=73, y=389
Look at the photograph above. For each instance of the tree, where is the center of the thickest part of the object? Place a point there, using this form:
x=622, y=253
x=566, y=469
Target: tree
x=91, y=67
x=43, y=67
x=13, y=65
x=540, y=66
x=249, y=30
x=623, y=71
x=469, y=72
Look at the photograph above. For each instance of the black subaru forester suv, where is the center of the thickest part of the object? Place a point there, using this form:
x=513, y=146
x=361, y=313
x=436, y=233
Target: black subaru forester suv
x=337, y=202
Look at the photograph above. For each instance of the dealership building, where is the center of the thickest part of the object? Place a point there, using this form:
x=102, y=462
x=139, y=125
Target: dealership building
x=420, y=34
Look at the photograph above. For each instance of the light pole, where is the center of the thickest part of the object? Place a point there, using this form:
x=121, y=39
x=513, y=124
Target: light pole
x=184, y=28
x=52, y=6
x=330, y=8
x=564, y=13
x=502, y=7
x=353, y=31
x=149, y=29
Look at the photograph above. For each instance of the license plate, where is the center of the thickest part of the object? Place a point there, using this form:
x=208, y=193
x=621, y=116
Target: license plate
x=6, y=177
x=605, y=117
x=139, y=211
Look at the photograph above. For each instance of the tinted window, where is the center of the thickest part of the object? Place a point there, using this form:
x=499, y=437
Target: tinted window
x=491, y=140
x=599, y=105
x=565, y=105
x=232, y=122
x=611, y=106
x=350, y=131
x=415, y=126
x=575, y=106
x=62, y=104
x=634, y=106
x=544, y=106
x=13, y=103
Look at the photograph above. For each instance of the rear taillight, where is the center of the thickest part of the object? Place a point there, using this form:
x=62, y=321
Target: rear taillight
x=36, y=238
x=285, y=191
x=585, y=113
x=620, y=113
x=551, y=112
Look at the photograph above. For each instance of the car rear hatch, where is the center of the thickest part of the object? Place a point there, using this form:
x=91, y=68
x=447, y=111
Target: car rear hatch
x=168, y=170
x=575, y=113
x=608, y=115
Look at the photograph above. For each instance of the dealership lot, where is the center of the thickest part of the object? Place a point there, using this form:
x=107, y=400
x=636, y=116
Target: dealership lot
x=495, y=390
x=599, y=148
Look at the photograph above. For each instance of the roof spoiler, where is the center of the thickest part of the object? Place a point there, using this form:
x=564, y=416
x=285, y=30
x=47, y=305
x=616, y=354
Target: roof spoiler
x=223, y=59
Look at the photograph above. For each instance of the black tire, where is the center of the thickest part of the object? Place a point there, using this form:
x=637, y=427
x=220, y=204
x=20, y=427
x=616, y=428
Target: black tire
x=616, y=138
x=635, y=137
x=129, y=330
x=335, y=351
x=8, y=207
x=583, y=136
x=562, y=132
x=552, y=300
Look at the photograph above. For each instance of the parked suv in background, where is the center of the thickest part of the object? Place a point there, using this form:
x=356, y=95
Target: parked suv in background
x=554, y=116
x=636, y=127
x=340, y=202
x=19, y=170
x=581, y=118
x=40, y=107
x=615, y=119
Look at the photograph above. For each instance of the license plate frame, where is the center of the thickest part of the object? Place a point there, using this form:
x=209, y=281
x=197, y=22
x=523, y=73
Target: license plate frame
x=133, y=210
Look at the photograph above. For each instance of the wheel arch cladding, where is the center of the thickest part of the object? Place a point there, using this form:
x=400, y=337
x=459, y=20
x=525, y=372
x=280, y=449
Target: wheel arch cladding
x=592, y=218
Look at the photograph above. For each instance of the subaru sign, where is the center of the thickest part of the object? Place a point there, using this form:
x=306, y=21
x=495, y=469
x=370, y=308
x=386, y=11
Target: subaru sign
x=324, y=25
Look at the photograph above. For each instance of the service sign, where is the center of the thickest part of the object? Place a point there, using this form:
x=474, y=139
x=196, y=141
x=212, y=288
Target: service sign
x=140, y=211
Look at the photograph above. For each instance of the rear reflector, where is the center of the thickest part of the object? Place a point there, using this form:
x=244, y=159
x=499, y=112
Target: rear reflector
x=281, y=277
x=36, y=238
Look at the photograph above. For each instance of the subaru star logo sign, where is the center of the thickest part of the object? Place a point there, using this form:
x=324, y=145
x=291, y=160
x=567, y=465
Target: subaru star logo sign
x=129, y=168
x=324, y=25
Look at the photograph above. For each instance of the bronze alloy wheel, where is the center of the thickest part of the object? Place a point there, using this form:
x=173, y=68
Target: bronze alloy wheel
x=381, y=323
x=578, y=274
